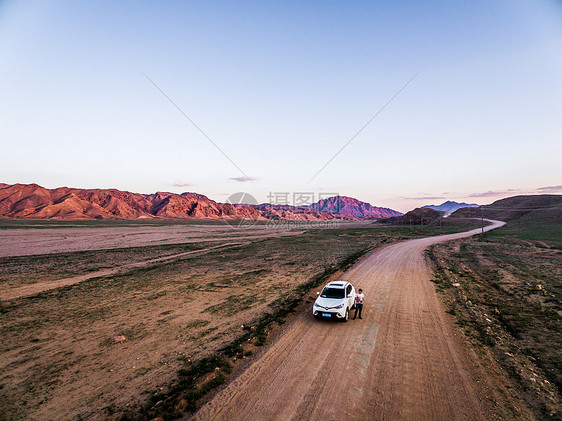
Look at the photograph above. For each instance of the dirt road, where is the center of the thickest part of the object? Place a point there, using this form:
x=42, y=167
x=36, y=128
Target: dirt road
x=403, y=360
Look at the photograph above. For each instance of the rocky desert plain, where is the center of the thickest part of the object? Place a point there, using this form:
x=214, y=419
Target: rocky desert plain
x=117, y=305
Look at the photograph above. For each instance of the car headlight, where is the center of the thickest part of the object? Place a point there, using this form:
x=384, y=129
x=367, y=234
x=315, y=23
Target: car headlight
x=316, y=305
x=340, y=306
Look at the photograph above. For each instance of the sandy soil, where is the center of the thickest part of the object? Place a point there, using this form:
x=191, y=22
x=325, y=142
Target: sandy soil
x=37, y=287
x=58, y=357
x=25, y=242
x=403, y=361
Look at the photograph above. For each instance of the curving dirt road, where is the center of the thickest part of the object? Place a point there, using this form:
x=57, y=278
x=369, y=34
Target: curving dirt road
x=402, y=361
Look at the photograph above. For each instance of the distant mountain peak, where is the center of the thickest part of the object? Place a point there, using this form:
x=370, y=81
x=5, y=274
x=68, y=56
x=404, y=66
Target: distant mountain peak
x=345, y=205
x=450, y=206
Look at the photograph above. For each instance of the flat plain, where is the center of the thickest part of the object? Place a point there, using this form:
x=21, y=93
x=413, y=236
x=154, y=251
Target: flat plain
x=505, y=291
x=105, y=314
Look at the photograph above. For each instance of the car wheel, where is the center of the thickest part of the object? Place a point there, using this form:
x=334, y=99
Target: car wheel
x=346, y=318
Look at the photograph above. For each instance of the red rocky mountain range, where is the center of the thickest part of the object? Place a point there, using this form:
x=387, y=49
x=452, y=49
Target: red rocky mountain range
x=34, y=201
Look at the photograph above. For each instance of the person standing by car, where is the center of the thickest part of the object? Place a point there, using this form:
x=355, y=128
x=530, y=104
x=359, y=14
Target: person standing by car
x=359, y=304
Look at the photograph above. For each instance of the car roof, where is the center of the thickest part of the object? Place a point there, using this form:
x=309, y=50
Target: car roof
x=337, y=284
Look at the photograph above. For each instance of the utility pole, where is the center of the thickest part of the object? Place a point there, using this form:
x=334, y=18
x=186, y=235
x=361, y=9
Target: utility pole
x=482, y=218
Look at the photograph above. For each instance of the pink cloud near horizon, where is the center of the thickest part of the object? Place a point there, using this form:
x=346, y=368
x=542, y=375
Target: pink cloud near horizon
x=426, y=198
x=550, y=189
x=243, y=179
x=491, y=193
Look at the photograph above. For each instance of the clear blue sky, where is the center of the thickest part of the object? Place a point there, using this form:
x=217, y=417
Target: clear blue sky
x=280, y=87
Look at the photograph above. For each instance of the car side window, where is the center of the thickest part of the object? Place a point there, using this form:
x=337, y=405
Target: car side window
x=348, y=290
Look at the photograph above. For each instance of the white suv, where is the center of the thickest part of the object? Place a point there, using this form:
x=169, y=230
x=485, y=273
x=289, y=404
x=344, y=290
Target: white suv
x=335, y=301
